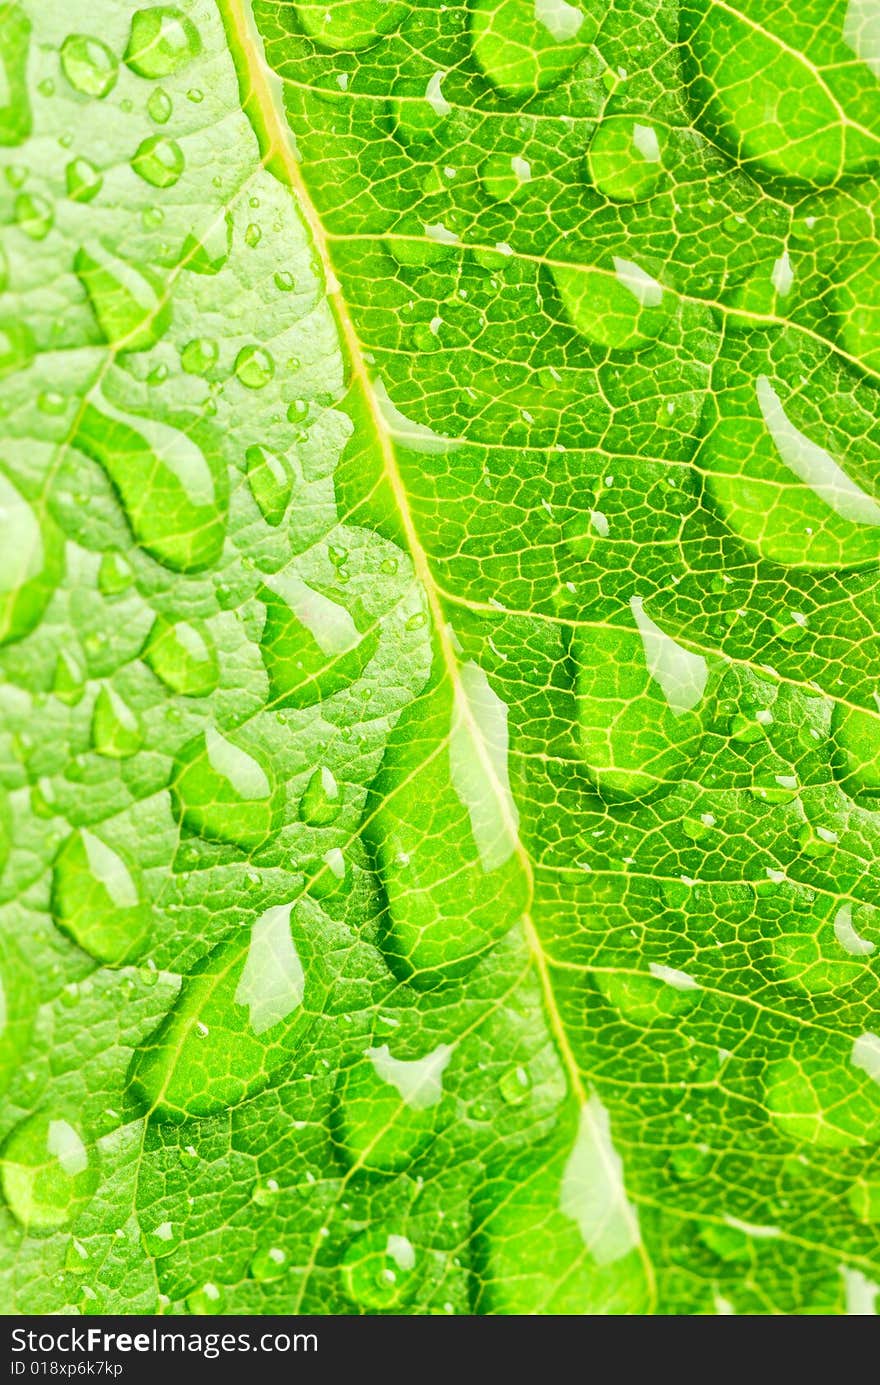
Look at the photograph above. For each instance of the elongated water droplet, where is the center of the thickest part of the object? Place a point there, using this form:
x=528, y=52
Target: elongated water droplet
x=856, y=757
x=322, y=800
x=379, y=1271
x=625, y=158
x=46, y=1172
x=271, y=482
x=241, y=1014
x=389, y=1106
x=159, y=106
x=84, y=182
x=831, y=1100
x=35, y=215
x=443, y=829
x=125, y=300
x=781, y=490
x=161, y=1239
x=312, y=645
x=89, y=65
x=208, y=253
x=115, y=729
x=15, y=106
x=620, y=306
x=114, y=575
x=174, y=500
x=351, y=24
x=31, y=557
x=183, y=657
x=162, y=41
x=16, y=347
x=97, y=901
x=68, y=684
x=159, y=161
x=526, y=46
x=642, y=706
x=222, y=793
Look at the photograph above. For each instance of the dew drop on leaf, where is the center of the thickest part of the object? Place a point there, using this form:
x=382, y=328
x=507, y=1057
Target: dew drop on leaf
x=199, y=356
x=182, y=655
x=254, y=367
x=89, y=65
x=312, y=645
x=159, y=106
x=83, y=180
x=116, y=732
x=159, y=161
x=526, y=46
x=97, y=900
x=34, y=214
x=15, y=109
x=349, y=25
x=222, y=793
x=379, y=1271
x=47, y=1172
x=618, y=305
x=268, y=1264
x=625, y=158
x=322, y=800
x=126, y=301
x=162, y=41
x=271, y=481
x=31, y=556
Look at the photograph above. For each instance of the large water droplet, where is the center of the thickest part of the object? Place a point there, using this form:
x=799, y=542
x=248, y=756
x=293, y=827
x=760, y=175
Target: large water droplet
x=84, y=182
x=69, y=682
x=208, y=253
x=174, y=501
x=241, y=1014
x=15, y=106
x=322, y=800
x=222, y=793
x=159, y=161
x=126, y=301
x=349, y=24
x=525, y=46
x=254, y=367
x=620, y=307
x=162, y=41
x=856, y=757
x=781, y=490
x=46, y=1172
x=183, y=657
x=443, y=828
x=779, y=88
x=271, y=482
x=379, y=1271
x=832, y=1101
x=89, y=65
x=312, y=645
x=625, y=158
x=388, y=1107
x=97, y=901
x=116, y=732
x=642, y=706
x=31, y=557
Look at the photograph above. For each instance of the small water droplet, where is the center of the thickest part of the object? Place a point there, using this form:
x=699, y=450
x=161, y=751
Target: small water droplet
x=526, y=46
x=379, y=1271
x=284, y=281
x=514, y=1086
x=68, y=683
x=161, y=1239
x=159, y=106
x=114, y=575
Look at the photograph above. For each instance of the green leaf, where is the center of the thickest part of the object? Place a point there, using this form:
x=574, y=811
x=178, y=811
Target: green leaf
x=439, y=658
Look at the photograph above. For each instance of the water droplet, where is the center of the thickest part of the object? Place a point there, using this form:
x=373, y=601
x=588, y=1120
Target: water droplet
x=254, y=367
x=125, y=300
x=182, y=656
x=268, y=1264
x=253, y=235
x=31, y=557
x=642, y=706
x=162, y=41
x=284, y=281
x=388, y=1107
x=115, y=729
x=97, y=901
x=208, y=1299
x=222, y=793
x=161, y=1240
x=504, y=176
x=173, y=499
x=620, y=306
x=89, y=65
x=84, y=182
x=114, y=574
x=159, y=161
x=208, y=254
x=265, y=1194
x=76, y=1259
x=351, y=24
x=745, y=66
x=68, y=683
x=312, y=646
x=780, y=489
x=856, y=757
x=830, y=1100
x=271, y=482
x=16, y=347
x=35, y=215
x=199, y=356
x=625, y=158
x=379, y=1271
x=526, y=46
x=15, y=110
x=445, y=827
x=514, y=1086
x=321, y=802
x=241, y=1014
x=18, y=1003
x=864, y=1199
x=46, y=1172
x=159, y=106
